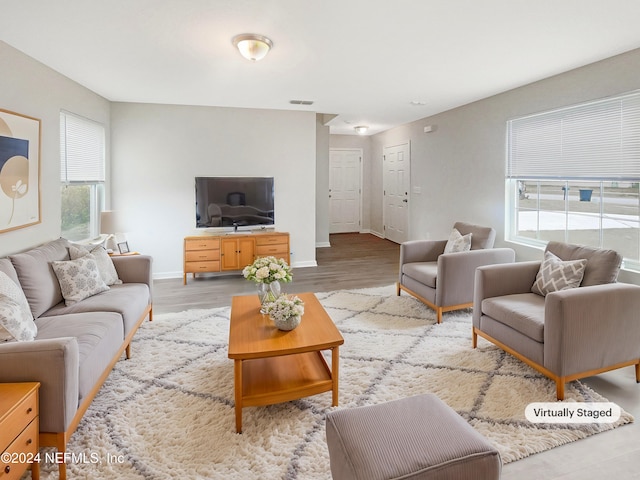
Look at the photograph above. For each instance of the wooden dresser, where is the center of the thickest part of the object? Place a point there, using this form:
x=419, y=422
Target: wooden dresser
x=19, y=430
x=209, y=253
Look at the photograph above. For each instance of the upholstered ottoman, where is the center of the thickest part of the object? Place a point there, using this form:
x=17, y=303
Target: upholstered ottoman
x=414, y=438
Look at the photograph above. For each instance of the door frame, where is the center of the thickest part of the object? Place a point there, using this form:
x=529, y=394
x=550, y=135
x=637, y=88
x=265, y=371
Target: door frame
x=360, y=152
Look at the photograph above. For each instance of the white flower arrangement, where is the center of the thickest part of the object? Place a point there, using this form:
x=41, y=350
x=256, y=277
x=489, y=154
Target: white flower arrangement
x=284, y=307
x=267, y=270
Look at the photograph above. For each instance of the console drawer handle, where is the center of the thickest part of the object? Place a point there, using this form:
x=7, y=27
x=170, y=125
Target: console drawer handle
x=29, y=410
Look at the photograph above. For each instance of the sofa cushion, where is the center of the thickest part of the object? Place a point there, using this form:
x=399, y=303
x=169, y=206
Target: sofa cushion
x=99, y=336
x=423, y=272
x=523, y=312
x=458, y=242
x=38, y=281
x=602, y=265
x=103, y=260
x=16, y=320
x=481, y=238
x=555, y=274
x=129, y=300
x=79, y=279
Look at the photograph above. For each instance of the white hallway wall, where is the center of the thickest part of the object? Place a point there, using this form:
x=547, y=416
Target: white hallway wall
x=157, y=150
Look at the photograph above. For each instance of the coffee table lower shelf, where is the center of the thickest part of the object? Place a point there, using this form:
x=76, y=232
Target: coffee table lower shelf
x=270, y=380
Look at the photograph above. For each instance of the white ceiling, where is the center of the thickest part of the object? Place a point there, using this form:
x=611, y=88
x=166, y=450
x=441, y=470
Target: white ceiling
x=362, y=60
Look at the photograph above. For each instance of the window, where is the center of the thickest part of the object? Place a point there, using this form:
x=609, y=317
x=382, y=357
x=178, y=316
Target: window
x=573, y=175
x=82, y=173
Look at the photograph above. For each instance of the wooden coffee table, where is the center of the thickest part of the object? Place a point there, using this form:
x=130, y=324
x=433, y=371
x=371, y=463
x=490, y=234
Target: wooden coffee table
x=272, y=366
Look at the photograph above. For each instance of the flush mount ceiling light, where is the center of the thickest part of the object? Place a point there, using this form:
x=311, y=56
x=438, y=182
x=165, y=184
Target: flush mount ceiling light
x=251, y=46
x=361, y=129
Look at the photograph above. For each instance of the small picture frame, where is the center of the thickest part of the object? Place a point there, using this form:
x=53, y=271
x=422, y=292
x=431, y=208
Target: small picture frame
x=123, y=247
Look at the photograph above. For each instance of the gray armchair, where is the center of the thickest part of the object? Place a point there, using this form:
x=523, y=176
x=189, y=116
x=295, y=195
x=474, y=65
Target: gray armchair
x=567, y=334
x=444, y=281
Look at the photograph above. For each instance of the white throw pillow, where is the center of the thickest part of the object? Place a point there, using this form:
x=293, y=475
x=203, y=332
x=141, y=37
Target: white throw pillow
x=103, y=260
x=79, y=279
x=16, y=320
x=556, y=274
x=458, y=242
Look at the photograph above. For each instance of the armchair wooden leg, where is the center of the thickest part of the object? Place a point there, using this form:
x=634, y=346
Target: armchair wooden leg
x=398, y=288
x=439, y=314
x=638, y=372
x=560, y=388
x=474, y=338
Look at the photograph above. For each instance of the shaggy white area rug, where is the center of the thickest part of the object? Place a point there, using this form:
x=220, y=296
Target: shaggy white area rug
x=168, y=412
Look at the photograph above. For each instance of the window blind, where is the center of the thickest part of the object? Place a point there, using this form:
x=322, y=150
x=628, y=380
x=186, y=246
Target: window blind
x=597, y=140
x=82, y=150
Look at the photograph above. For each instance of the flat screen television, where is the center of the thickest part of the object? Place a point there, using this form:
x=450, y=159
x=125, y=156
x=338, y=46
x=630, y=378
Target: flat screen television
x=238, y=202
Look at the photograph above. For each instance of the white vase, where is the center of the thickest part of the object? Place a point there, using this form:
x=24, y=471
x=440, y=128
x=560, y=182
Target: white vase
x=288, y=323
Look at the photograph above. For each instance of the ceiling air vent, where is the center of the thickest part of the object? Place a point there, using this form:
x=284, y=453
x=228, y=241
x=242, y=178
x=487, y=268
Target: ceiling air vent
x=301, y=102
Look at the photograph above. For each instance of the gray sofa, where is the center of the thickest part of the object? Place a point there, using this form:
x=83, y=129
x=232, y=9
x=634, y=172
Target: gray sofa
x=565, y=334
x=76, y=345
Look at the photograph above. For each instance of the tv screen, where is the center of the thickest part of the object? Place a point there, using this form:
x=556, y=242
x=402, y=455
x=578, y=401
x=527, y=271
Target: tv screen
x=234, y=202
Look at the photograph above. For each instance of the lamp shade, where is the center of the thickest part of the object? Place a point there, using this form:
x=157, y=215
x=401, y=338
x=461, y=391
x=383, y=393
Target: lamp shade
x=110, y=222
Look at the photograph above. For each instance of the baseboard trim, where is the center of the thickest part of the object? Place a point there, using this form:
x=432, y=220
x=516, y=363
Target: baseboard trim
x=304, y=264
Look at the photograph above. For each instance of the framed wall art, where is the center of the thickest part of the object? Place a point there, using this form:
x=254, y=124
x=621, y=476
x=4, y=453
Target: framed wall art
x=19, y=171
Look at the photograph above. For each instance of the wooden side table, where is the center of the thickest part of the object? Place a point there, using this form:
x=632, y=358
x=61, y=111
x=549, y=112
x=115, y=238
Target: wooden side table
x=19, y=430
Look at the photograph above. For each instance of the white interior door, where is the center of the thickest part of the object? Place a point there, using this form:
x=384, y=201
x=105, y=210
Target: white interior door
x=345, y=166
x=396, y=186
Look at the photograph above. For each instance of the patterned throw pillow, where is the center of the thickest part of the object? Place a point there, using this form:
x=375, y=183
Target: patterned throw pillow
x=16, y=320
x=458, y=242
x=555, y=274
x=79, y=279
x=103, y=260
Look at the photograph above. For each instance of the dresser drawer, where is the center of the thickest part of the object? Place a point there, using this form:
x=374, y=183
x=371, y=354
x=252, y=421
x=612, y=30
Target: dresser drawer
x=202, y=244
x=271, y=239
x=271, y=250
x=196, y=267
x=23, y=449
x=202, y=255
x=20, y=417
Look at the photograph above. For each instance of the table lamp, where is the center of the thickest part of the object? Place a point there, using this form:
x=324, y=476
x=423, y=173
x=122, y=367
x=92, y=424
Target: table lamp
x=110, y=224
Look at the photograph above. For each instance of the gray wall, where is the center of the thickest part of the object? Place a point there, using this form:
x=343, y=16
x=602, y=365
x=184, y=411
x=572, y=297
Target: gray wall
x=157, y=150
x=322, y=182
x=30, y=88
x=460, y=166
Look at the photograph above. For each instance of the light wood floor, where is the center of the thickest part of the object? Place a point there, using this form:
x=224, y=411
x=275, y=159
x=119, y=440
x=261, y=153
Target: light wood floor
x=361, y=261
